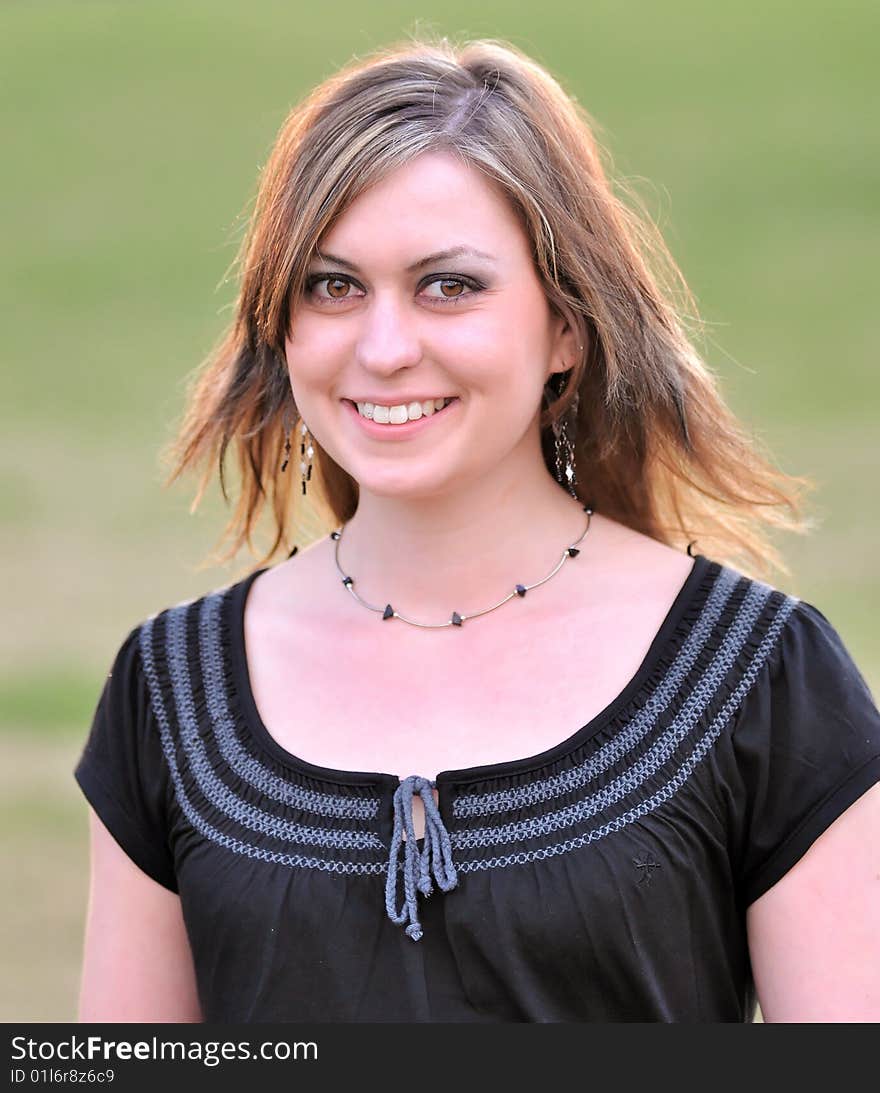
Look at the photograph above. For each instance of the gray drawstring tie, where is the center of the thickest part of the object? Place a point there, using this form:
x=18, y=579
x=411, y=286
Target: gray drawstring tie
x=418, y=864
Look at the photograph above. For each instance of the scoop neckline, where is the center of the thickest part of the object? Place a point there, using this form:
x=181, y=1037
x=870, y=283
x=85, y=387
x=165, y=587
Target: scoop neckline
x=234, y=622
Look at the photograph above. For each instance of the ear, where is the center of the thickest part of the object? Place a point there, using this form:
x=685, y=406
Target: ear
x=568, y=344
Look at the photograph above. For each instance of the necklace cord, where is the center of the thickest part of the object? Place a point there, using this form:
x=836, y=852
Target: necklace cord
x=388, y=612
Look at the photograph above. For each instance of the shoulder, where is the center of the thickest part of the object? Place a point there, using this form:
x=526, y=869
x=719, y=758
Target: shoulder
x=190, y=607
x=176, y=643
x=738, y=617
x=633, y=565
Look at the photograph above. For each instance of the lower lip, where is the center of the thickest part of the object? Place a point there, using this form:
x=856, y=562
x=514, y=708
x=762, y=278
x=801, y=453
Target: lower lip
x=407, y=429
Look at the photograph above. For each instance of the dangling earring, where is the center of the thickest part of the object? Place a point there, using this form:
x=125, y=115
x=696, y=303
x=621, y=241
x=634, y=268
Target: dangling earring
x=564, y=444
x=288, y=425
x=305, y=450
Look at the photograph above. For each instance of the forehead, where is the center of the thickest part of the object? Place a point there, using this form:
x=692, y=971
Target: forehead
x=433, y=203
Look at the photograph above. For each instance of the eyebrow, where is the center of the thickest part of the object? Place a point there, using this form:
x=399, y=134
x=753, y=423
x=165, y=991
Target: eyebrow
x=460, y=251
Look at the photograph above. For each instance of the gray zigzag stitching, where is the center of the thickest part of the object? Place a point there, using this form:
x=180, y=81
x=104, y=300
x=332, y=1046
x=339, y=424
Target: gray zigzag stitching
x=212, y=788
x=672, y=786
x=555, y=785
x=198, y=822
x=246, y=766
x=660, y=752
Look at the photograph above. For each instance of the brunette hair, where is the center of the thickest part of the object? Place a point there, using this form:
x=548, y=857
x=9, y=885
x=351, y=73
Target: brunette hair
x=656, y=447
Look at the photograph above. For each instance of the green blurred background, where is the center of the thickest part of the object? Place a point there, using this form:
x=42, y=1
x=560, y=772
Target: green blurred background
x=133, y=135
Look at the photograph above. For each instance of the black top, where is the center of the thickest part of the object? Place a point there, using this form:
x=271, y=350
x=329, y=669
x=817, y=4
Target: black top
x=605, y=879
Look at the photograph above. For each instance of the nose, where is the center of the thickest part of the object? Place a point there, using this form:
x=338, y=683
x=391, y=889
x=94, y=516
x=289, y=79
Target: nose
x=388, y=339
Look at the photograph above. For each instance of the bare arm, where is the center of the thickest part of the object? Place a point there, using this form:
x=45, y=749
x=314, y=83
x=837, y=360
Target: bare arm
x=814, y=937
x=137, y=963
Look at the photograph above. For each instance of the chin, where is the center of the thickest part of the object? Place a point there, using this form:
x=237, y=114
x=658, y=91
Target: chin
x=406, y=486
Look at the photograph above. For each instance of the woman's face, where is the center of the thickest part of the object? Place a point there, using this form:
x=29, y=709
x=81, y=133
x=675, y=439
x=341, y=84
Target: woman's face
x=388, y=319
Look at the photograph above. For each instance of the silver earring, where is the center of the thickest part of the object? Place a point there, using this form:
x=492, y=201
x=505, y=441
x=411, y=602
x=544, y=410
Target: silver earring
x=564, y=445
x=306, y=452
x=288, y=425
x=564, y=435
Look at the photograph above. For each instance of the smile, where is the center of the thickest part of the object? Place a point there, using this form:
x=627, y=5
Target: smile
x=400, y=430
x=398, y=414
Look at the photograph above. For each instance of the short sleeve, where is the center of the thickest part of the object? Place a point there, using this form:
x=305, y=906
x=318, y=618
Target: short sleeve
x=806, y=744
x=122, y=769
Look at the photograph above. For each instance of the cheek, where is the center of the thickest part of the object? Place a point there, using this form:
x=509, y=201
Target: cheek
x=309, y=359
x=514, y=327
x=482, y=353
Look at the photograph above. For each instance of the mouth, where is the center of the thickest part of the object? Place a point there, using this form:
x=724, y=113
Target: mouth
x=404, y=430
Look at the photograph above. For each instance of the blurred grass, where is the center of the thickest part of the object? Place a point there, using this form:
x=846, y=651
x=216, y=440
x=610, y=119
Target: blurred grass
x=133, y=138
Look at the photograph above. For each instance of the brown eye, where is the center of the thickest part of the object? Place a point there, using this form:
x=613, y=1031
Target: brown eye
x=337, y=288
x=333, y=283
x=453, y=289
x=449, y=283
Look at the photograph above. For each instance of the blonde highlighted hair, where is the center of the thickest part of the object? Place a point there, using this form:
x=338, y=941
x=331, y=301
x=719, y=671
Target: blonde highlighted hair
x=656, y=446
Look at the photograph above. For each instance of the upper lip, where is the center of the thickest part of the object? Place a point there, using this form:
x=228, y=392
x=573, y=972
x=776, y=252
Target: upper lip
x=397, y=400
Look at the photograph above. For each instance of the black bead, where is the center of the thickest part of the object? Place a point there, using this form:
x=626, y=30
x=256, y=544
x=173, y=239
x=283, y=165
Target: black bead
x=456, y=619
x=521, y=590
x=573, y=552
x=389, y=611
x=347, y=580
x=334, y=534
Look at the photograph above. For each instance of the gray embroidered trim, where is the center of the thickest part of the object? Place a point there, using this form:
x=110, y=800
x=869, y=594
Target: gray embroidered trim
x=212, y=788
x=247, y=766
x=196, y=819
x=545, y=789
x=673, y=785
x=660, y=752
x=223, y=727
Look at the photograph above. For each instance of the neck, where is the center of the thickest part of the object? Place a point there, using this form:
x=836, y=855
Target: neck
x=463, y=550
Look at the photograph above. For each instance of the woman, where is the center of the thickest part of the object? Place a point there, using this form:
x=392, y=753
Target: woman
x=637, y=780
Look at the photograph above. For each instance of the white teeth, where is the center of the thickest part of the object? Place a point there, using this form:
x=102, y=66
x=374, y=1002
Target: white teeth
x=397, y=415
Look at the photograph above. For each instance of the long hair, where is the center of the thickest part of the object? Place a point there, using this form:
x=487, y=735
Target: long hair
x=656, y=446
